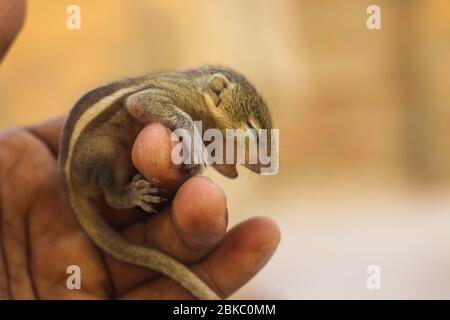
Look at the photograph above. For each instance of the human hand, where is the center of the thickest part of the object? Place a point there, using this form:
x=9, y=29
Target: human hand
x=40, y=236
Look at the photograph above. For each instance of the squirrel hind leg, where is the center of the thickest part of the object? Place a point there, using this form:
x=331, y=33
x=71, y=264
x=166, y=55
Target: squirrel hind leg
x=121, y=193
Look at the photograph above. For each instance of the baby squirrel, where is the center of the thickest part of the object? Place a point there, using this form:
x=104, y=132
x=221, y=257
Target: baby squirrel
x=95, y=153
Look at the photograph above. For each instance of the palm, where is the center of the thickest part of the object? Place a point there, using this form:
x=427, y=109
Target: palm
x=40, y=236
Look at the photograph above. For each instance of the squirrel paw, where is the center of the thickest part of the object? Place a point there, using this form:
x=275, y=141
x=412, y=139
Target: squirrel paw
x=144, y=193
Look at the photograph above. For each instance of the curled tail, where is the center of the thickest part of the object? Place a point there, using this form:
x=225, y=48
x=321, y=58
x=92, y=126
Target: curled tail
x=113, y=244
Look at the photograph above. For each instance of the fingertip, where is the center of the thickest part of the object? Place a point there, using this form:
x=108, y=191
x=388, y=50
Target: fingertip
x=259, y=235
x=268, y=228
x=199, y=212
x=151, y=155
x=244, y=251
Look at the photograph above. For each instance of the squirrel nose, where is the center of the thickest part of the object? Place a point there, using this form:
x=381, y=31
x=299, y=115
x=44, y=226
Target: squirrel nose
x=257, y=167
x=228, y=170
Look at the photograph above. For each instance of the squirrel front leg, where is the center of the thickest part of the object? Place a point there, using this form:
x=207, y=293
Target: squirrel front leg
x=151, y=105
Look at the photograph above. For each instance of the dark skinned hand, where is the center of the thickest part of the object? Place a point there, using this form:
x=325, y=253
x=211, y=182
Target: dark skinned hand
x=40, y=236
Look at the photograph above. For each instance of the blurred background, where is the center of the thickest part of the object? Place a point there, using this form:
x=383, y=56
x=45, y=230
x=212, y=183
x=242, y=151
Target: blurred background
x=364, y=121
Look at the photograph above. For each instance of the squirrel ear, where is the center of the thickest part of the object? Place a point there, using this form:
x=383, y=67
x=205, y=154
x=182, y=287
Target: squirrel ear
x=216, y=86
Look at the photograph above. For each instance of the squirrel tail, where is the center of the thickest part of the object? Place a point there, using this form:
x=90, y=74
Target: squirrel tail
x=113, y=244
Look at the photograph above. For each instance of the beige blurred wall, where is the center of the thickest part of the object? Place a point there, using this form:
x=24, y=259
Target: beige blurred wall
x=367, y=103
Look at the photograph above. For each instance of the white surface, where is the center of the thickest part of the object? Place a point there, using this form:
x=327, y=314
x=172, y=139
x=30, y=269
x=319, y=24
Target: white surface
x=329, y=241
